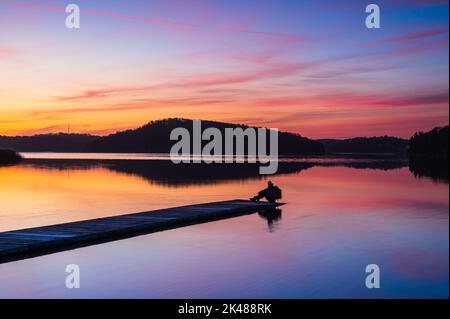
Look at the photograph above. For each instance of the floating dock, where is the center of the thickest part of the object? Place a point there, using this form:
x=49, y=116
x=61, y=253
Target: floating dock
x=32, y=242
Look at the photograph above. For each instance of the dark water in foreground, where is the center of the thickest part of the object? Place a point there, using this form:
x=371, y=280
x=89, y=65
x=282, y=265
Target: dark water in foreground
x=340, y=216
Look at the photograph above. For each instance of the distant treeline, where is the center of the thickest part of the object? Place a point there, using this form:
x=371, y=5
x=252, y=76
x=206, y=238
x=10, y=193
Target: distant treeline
x=366, y=145
x=47, y=142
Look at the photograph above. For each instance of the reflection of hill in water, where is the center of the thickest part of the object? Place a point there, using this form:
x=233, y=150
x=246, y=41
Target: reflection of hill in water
x=435, y=169
x=167, y=173
x=164, y=172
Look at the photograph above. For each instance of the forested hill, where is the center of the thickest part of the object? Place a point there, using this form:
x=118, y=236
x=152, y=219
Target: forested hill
x=154, y=138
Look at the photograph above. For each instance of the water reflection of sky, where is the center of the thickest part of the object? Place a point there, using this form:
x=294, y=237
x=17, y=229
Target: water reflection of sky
x=337, y=220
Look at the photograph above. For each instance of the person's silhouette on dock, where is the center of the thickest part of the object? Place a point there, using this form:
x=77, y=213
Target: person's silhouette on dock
x=271, y=193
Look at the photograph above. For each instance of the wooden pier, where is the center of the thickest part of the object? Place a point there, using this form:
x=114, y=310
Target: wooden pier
x=32, y=242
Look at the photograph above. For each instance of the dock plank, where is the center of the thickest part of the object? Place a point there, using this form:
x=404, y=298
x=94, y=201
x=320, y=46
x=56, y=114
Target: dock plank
x=32, y=242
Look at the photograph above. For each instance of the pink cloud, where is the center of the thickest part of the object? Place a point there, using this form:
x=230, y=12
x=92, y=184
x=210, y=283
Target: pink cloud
x=269, y=71
x=439, y=98
x=415, y=35
x=366, y=101
x=419, y=48
x=133, y=105
x=7, y=53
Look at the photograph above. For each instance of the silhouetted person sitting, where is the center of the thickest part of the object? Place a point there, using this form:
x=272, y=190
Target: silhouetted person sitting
x=271, y=193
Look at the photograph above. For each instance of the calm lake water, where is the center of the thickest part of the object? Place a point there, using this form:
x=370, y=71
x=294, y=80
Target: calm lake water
x=340, y=216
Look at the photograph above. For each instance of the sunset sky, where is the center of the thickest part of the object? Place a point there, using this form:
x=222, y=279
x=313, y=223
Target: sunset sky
x=309, y=66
